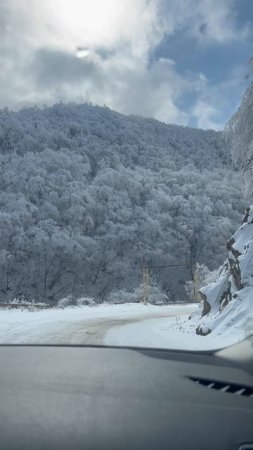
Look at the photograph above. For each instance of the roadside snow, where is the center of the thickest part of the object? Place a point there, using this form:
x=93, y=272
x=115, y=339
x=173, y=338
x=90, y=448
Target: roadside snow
x=176, y=332
x=228, y=304
x=236, y=319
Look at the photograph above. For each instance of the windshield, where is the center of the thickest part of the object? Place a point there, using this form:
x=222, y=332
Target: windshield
x=126, y=148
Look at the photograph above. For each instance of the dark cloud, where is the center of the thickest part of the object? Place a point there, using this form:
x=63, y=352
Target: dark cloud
x=104, y=53
x=52, y=67
x=6, y=27
x=203, y=28
x=4, y=16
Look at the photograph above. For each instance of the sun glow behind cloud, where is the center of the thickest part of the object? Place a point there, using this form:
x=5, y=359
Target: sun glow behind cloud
x=82, y=22
x=82, y=52
x=69, y=24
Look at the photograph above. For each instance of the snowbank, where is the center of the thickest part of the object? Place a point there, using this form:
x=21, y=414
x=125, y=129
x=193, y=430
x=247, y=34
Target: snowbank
x=176, y=332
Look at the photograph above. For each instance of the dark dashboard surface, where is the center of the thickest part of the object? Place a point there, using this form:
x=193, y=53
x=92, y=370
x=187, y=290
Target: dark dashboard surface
x=112, y=398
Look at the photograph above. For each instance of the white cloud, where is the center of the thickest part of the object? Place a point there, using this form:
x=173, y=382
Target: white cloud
x=113, y=66
x=216, y=22
x=205, y=115
x=214, y=101
x=99, y=51
x=208, y=21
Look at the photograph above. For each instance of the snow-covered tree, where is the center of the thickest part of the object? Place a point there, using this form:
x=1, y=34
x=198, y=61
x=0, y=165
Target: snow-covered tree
x=89, y=196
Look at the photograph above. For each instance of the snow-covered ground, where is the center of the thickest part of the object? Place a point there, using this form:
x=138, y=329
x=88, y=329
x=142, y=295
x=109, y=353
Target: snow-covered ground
x=70, y=325
x=126, y=325
x=177, y=332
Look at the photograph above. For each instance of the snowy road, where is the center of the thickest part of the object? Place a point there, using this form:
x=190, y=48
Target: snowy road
x=126, y=325
x=84, y=325
x=85, y=332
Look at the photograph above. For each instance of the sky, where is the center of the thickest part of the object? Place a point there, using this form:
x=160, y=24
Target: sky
x=179, y=61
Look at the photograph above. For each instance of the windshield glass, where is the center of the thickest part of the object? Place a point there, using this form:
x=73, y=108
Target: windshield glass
x=126, y=148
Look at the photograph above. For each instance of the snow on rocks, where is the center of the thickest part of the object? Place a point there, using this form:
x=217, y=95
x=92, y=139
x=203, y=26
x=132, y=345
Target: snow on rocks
x=228, y=302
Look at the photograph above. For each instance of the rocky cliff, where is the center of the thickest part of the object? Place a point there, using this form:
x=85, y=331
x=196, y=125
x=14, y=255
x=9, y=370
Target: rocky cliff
x=228, y=302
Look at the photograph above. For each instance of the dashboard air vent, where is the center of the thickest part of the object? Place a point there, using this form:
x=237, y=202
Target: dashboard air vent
x=237, y=389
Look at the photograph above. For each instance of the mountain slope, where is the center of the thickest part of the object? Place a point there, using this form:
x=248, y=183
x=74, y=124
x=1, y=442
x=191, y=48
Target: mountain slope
x=89, y=196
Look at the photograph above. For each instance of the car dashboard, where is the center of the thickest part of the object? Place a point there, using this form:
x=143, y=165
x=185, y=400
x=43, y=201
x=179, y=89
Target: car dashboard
x=73, y=398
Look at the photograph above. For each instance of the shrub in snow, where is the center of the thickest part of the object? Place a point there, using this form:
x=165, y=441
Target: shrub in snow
x=85, y=301
x=70, y=301
x=155, y=296
x=65, y=302
x=22, y=303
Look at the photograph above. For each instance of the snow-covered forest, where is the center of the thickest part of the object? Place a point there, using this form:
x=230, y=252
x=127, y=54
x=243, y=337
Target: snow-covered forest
x=89, y=196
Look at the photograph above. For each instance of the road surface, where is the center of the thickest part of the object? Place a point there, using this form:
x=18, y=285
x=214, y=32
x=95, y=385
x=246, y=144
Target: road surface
x=85, y=326
x=94, y=331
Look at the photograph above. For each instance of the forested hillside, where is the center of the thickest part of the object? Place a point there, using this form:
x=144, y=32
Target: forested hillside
x=89, y=196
